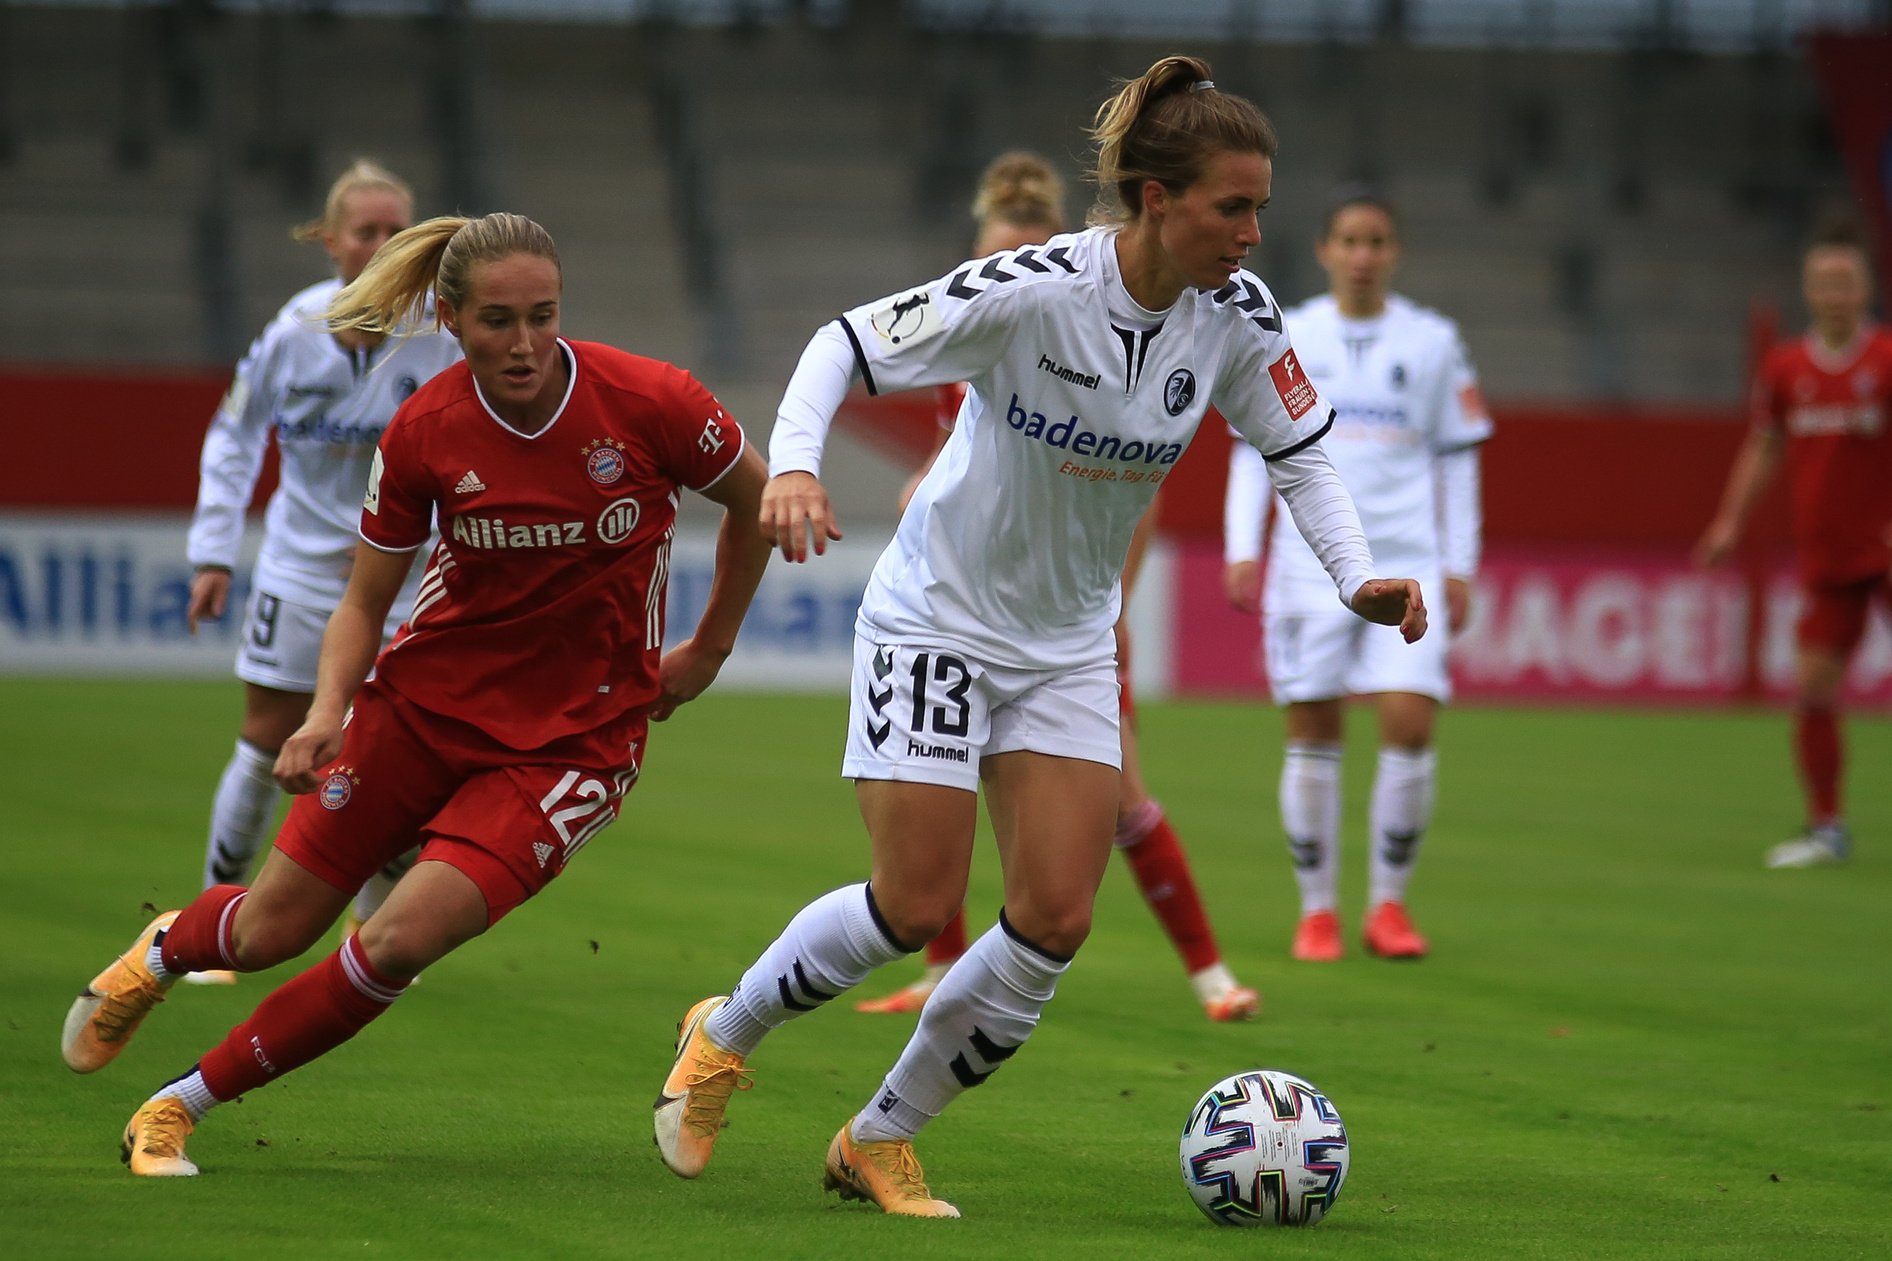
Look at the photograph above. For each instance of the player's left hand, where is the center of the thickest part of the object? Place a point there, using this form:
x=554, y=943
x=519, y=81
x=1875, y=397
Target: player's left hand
x=683, y=674
x=1393, y=602
x=794, y=508
x=1458, y=603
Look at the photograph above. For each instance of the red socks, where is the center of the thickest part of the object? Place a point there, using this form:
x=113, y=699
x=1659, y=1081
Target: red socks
x=950, y=944
x=199, y=939
x=1162, y=872
x=1817, y=749
x=302, y=1019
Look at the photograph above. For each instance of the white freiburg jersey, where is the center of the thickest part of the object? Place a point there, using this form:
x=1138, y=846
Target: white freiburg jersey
x=327, y=407
x=1079, y=403
x=1404, y=394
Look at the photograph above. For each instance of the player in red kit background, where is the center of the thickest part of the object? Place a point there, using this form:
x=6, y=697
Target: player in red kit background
x=1824, y=402
x=506, y=721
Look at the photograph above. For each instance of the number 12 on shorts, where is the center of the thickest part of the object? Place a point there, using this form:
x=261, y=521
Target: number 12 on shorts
x=579, y=806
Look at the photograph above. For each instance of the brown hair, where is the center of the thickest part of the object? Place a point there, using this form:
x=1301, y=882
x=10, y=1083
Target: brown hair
x=437, y=256
x=362, y=175
x=1020, y=190
x=1164, y=125
x=1346, y=197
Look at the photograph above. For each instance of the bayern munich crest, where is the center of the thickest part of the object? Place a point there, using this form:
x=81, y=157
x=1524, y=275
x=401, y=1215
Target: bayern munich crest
x=604, y=460
x=338, y=788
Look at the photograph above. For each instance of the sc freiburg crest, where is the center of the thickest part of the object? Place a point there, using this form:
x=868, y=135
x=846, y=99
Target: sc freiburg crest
x=1179, y=391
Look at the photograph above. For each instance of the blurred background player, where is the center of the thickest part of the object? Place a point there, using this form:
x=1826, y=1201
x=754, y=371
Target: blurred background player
x=984, y=658
x=503, y=727
x=1405, y=441
x=326, y=395
x=1021, y=202
x=1824, y=400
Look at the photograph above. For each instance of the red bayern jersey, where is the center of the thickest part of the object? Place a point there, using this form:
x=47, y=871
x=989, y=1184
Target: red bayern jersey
x=541, y=612
x=1833, y=407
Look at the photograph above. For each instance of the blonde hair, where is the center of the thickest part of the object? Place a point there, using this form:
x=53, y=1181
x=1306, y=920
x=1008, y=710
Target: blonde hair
x=436, y=256
x=1020, y=190
x=1164, y=125
x=362, y=175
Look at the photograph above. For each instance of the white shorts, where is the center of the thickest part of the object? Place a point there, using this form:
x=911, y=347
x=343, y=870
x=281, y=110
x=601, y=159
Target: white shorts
x=282, y=640
x=929, y=716
x=1325, y=656
x=281, y=643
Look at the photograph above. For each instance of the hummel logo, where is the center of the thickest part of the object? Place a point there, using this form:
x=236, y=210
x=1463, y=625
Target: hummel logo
x=1306, y=853
x=469, y=484
x=883, y=662
x=1399, y=847
x=879, y=734
x=542, y=852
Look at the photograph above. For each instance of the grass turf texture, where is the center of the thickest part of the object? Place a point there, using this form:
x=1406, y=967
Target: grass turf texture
x=1631, y=1040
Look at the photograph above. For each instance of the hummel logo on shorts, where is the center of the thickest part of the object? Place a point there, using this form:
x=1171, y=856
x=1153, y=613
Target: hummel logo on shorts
x=469, y=484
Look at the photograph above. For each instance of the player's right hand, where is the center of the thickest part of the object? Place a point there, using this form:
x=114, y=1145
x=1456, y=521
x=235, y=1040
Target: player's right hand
x=794, y=507
x=210, y=594
x=1393, y=602
x=1242, y=582
x=316, y=743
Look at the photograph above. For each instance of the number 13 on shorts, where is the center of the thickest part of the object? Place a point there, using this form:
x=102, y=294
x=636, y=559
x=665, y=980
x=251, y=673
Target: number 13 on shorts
x=915, y=714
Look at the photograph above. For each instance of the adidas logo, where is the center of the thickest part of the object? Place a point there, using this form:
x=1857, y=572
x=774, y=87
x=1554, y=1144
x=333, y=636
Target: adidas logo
x=541, y=850
x=468, y=484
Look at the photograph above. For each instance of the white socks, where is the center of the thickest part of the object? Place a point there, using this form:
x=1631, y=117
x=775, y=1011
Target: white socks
x=1403, y=790
x=1310, y=815
x=828, y=948
x=1404, y=785
x=240, y=815
x=190, y=1091
x=982, y=1012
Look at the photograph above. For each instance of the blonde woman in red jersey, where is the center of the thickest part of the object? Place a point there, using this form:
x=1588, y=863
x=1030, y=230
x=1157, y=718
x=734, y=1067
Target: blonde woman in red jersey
x=1824, y=399
x=1021, y=202
x=503, y=727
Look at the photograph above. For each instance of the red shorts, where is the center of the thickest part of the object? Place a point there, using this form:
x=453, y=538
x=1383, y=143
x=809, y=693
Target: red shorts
x=1833, y=616
x=1126, y=704
x=406, y=776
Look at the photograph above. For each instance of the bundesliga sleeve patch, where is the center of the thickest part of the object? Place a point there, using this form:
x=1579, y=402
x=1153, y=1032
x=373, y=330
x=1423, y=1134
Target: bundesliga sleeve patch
x=907, y=319
x=1296, y=391
x=371, y=501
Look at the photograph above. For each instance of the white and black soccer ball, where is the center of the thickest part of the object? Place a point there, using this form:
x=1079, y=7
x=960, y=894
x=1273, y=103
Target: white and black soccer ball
x=1264, y=1148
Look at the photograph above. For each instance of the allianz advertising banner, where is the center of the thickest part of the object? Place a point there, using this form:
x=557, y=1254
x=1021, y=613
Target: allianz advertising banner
x=104, y=593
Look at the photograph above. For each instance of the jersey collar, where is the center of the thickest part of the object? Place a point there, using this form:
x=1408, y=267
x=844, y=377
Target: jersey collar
x=571, y=383
x=1829, y=359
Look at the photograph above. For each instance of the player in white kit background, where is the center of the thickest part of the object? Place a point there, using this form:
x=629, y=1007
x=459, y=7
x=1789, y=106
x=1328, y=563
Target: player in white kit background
x=1409, y=423
x=984, y=654
x=325, y=397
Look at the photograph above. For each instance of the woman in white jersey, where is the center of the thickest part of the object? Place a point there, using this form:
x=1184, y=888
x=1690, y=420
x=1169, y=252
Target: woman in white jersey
x=1408, y=426
x=326, y=396
x=985, y=656
x=1021, y=202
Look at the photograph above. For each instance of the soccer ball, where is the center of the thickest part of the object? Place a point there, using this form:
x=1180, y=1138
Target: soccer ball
x=1264, y=1148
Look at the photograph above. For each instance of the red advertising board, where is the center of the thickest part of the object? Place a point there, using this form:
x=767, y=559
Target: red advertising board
x=1559, y=625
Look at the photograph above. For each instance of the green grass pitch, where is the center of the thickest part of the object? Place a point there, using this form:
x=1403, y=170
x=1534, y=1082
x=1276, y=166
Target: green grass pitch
x=1631, y=1040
